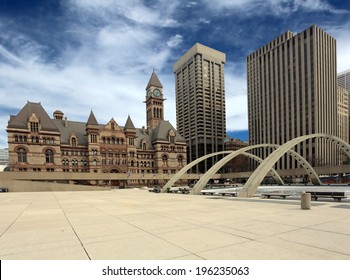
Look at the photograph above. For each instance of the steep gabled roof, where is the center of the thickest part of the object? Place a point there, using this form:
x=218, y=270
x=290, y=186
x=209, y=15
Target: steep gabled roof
x=21, y=119
x=161, y=132
x=67, y=128
x=92, y=119
x=129, y=124
x=154, y=81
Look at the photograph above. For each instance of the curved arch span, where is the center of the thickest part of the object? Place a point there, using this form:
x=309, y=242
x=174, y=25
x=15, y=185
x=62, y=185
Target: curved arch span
x=215, y=168
x=187, y=167
x=182, y=171
x=273, y=171
x=202, y=182
x=258, y=175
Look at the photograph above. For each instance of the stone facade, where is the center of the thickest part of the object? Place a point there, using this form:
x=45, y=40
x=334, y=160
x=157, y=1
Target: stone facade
x=39, y=143
x=239, y=163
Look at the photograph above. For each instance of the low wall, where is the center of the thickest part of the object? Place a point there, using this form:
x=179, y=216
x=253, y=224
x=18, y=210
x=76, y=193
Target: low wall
x=29, y=186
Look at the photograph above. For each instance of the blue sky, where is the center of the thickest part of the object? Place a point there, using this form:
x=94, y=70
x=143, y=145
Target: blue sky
x=78, y=55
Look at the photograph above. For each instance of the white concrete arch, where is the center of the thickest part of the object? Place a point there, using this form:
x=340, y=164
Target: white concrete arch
x=258, y=175
x=273, y=171
x=215, y=168
x=183, y=170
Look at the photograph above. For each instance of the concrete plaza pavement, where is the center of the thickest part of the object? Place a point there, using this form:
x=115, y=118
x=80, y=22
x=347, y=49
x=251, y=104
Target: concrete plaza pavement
x=137, y=225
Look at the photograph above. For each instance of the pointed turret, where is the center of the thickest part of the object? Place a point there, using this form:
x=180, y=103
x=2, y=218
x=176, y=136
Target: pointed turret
x=129, y=124
x=130, y=132
x=93, y=138
x=154, y=81
x=92, y=119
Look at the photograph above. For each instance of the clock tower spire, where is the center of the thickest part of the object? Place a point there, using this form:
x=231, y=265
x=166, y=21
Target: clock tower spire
x=154, y=101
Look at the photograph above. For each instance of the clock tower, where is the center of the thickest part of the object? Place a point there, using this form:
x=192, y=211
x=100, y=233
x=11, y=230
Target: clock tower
x=154, y=102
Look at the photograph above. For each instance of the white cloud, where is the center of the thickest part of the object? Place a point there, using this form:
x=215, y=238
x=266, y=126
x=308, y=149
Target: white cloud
x=161, y=14
x=174, y=41
x=204, y=20
x=106, y=70
x=236, y=97
x=277, y=7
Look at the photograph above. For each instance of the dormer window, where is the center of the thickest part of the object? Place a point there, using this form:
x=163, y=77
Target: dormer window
x=171, y=136
x=73, y=141
x=34, y=127
x=33, y=123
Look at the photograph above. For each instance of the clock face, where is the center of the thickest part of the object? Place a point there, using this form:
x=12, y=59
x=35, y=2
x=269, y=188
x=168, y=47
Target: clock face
x=156, y=92
x=149, y=92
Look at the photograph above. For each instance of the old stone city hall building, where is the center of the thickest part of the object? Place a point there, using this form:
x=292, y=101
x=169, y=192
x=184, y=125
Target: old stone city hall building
x=42, y=144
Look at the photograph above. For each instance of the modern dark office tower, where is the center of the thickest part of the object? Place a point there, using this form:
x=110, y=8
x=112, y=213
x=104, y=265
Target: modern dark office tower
x=200, y=103
x=292, y=91
x=344, y=82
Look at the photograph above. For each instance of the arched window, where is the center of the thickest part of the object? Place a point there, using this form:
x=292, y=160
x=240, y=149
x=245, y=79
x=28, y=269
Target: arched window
x=180, y=160
x=113, y=140
x=74, y=141
x=49, y=156
x=132, y=163
x=65, y=162
x=16, y=138
x=165, y=160
x=144, y=146
x=94, y=162
x=75, y=162
x=22, y=155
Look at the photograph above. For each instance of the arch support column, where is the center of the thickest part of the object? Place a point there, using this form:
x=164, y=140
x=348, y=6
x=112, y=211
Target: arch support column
x=258, y=175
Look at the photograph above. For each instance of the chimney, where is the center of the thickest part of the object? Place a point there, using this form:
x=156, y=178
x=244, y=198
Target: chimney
x=65, y=122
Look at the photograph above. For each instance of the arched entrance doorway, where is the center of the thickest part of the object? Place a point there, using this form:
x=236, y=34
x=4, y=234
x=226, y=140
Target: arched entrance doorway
x=116, y=183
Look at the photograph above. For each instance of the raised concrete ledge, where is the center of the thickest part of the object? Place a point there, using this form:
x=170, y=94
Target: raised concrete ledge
x=30, y=186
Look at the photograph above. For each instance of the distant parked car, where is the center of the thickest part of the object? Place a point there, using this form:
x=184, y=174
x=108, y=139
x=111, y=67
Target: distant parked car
x=2, y=189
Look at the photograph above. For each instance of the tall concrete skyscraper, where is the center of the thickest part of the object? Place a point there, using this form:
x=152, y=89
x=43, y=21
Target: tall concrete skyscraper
x=344, y=82
x=292, y=91
x=200, y=102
